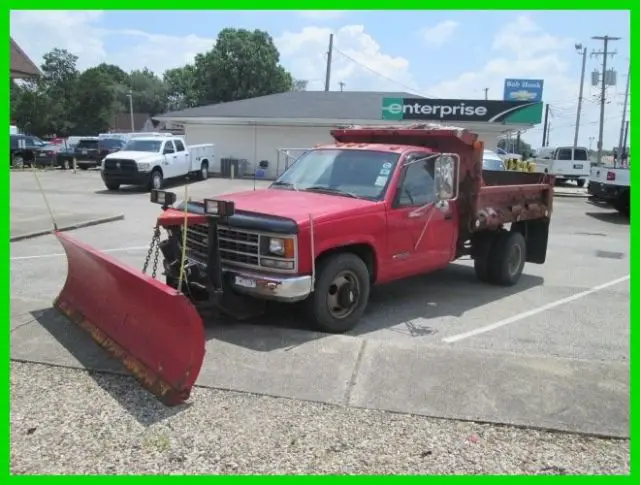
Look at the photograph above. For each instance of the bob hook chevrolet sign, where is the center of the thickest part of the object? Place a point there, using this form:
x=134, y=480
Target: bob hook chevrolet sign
x=470, y=110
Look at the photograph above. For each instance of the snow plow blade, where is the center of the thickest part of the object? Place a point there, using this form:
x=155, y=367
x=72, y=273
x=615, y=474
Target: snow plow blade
x=153, y=330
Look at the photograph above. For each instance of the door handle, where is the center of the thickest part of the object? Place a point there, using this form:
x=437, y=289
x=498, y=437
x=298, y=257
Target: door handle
x=448, y=216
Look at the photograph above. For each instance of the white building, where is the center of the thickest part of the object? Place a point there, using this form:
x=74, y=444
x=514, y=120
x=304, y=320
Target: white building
x=275, y=127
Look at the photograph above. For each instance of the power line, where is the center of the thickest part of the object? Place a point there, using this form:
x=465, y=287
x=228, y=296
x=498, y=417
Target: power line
x=408, y=88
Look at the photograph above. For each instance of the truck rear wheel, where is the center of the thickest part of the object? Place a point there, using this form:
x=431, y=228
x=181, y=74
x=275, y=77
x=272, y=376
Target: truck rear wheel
x=112, y=185
x=203, y=174
x=623, y=204
x=341, y=293
x=507, y=257
x=580, y=182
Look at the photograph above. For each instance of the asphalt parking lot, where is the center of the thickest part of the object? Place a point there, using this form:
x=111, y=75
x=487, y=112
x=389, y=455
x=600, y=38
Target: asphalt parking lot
x=552, y=352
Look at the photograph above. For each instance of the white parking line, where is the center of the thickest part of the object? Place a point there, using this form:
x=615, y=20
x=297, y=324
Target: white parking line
x=535, y=311
x=57, y=255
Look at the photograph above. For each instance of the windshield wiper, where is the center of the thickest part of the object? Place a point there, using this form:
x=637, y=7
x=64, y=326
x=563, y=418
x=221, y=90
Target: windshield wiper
x=331, y=190
x=288, y=185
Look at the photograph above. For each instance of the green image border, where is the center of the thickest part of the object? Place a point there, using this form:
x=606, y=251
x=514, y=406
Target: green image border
x=310, y=5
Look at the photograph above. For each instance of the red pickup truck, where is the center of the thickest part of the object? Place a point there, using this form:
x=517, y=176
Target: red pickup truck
x=378, y=205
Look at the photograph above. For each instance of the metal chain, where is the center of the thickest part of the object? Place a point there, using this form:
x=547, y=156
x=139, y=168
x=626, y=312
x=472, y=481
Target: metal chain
x=155, y=240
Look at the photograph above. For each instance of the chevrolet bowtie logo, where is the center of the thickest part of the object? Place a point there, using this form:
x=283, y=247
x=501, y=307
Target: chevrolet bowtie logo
x=117, y=164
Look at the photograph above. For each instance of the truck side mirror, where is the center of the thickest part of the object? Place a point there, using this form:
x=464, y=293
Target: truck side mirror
x=447, y=169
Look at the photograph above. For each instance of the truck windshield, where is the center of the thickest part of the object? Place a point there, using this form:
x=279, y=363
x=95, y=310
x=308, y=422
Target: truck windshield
x=354, y=173
x=143, y=146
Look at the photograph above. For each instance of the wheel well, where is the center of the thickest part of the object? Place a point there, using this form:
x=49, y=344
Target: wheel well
x=204, y=160
x=157, y=169
x=364, y=251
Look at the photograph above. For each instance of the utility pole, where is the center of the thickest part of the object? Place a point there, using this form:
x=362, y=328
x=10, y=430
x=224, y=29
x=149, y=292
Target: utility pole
x=130, y=96
x=486, y=93
x=327, y=80
x=584, y=65
x=590, y=142
x=546, y=127
x=604, y=53
x=626, y=134
x=621, y=146
x=341, y=86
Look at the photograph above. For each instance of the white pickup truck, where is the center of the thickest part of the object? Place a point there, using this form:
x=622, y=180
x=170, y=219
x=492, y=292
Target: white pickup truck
x=612, y=186
x=150, y=160
x=566, y=163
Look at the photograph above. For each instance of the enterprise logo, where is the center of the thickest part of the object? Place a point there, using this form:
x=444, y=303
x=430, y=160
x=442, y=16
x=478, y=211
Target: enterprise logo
x=435, y=110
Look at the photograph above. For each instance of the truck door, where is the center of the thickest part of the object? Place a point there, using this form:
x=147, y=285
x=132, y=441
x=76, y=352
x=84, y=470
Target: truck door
x=420, y=236
x=170, y=164
x=183, y=162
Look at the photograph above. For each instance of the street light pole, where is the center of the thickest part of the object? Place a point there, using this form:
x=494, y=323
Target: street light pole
x=130, y=96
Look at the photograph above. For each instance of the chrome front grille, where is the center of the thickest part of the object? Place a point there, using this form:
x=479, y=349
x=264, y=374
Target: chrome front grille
x=198, y=243
x=238, y=247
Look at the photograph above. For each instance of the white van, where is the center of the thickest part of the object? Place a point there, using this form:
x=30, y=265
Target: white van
x=565, y=162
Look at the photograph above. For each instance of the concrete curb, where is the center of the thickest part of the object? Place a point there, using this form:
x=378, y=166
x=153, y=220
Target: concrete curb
x=70, y=227
x=570, y=195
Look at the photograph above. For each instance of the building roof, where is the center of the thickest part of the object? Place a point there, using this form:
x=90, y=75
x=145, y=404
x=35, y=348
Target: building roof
x=330, y=105
x=21, y=65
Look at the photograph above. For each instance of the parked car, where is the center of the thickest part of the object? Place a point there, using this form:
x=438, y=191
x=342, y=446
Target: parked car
x=492, y=161
x=65, y=155
x=22, y=150
x=87, y=153
x=110, y=145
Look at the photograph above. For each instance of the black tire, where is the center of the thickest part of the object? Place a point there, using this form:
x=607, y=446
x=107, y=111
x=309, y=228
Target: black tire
x=623, y=204
x=482, y=245
x=17, y=162
x=156, y=181
x=580, y=182
x=352, y=269
x=203, y=174
x=112, y=185
x=507, y=258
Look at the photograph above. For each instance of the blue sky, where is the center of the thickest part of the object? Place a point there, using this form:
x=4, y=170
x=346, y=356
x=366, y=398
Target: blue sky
x=449, y=54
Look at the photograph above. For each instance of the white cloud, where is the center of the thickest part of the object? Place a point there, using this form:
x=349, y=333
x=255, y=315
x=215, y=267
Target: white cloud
x=38, y=31
x=322, y=14
x=441, y=33
x=79, y=32
x=358, y=59
x=524, y=50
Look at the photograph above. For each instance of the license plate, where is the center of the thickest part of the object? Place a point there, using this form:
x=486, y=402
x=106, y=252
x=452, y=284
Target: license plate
x=578, y=166
x=245, y=282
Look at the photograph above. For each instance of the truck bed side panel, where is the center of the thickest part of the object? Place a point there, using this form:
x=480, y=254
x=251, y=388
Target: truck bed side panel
x=507, y=197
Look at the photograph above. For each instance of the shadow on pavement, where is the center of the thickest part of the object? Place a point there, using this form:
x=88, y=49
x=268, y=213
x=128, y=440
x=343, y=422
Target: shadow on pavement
x=611, y=217
x=137, y=190
x=451, y=292
x=93, y=358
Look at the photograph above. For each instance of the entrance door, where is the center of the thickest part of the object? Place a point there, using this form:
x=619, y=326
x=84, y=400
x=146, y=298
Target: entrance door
x=420, y=235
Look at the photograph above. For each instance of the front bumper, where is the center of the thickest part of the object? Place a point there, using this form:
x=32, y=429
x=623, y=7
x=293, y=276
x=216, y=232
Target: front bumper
x=281, y=288
x=126, y=178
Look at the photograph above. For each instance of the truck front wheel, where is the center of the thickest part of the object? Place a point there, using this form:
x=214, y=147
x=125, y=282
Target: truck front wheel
x=507, y=257
x=341, y=293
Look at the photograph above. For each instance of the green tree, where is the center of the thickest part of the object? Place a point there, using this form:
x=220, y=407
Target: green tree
x=31, y=108
x=181, y=87
x=58, y=82
x=149, y=92
x=95, y=94
x=241, y=65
